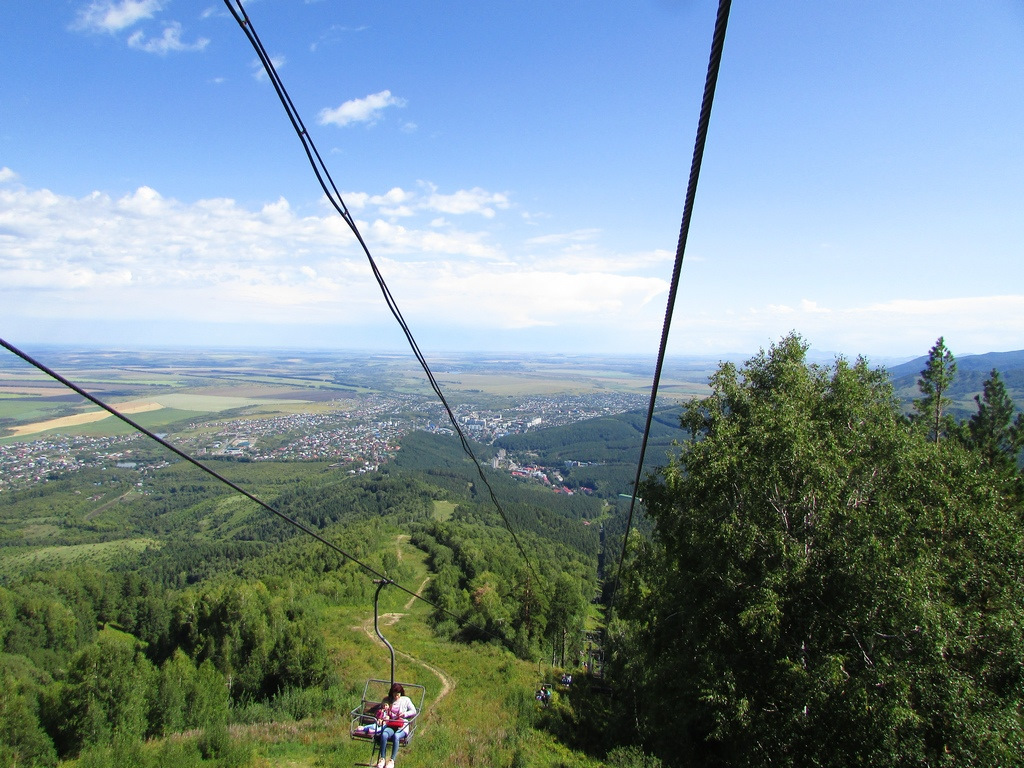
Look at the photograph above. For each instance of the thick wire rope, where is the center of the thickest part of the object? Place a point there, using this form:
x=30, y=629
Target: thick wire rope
x=234, y=486
x=710, y=82
x=327, y=184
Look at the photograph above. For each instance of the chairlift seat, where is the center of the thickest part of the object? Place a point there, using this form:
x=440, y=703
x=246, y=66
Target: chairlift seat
x=363, y=719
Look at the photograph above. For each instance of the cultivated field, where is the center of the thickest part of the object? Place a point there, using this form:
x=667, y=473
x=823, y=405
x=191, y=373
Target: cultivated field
x=165, y=387
x=69, y=422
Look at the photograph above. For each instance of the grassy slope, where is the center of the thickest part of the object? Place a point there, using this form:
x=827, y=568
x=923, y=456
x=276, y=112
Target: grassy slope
x=481, y=720
x=479, y=707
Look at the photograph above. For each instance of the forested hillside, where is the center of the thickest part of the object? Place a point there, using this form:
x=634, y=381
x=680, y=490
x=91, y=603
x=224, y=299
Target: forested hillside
x=605, y=439
x=192, y=634
x=216, y=618
x=972, y=371
x=819, y=571
x=829, y=582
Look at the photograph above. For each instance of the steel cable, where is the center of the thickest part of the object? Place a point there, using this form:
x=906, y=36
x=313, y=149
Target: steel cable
x=327, y=184
x=710, y=82
x=234, y=486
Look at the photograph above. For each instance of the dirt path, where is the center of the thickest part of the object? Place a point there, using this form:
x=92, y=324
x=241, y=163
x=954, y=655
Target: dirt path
x=411, y=600
x=387, y=619
x=109, y=504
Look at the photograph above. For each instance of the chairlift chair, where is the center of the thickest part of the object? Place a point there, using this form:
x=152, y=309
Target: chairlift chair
x=362, y=726
x=363, y=719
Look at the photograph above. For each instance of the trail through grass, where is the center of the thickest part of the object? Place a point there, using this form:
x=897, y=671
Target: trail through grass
x=478, y=711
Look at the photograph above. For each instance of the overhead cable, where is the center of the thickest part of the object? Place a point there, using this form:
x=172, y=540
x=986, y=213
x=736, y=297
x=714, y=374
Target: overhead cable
x=234, y=486
x=710, y=82
x=327, y=184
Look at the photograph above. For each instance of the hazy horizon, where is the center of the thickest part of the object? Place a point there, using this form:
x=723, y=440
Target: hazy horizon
x=440, y=355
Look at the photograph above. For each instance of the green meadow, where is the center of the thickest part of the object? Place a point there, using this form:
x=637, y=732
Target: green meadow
x=106, y=553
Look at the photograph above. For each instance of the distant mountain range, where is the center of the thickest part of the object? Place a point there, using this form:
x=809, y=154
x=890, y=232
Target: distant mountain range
x=971, y=373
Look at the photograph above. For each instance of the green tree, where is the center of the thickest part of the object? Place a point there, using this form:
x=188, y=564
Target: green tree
x=22, y=740
x=107, y=692
x=174, y=694
x=824, y=586
x=208, y=704
x=489, y=606
x=993, y=431
x=300, y=657
x=936, y=379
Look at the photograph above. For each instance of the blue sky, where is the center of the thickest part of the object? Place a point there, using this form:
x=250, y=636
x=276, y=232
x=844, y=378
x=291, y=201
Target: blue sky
x=518, y=171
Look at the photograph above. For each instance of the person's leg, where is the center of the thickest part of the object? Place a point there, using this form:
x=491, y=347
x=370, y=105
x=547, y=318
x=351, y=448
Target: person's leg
x=395, y=738
x=387, y=737
x=398, y=740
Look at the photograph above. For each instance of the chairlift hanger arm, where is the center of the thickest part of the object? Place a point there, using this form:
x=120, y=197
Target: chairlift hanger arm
x=381, y=583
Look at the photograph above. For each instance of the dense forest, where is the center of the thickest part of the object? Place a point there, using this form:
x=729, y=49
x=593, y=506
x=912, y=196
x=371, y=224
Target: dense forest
x=600, y=454
x=822, y=573
x=221, y=623
x=830, y=581
x=191, y=636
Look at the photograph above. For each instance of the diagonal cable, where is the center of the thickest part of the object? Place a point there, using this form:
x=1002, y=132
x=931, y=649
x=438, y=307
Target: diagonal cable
x=327, y=184
x=717, y=43
x=234, y=486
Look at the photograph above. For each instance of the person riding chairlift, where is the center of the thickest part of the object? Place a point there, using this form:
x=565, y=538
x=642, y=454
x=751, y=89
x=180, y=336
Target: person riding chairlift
x=393, y=719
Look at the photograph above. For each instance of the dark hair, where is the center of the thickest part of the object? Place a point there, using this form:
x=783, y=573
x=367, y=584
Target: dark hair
x=396, y=688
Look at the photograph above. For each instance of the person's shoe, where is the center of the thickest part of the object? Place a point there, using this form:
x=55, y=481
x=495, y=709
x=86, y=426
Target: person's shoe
x=391, y=764
x=380, y=763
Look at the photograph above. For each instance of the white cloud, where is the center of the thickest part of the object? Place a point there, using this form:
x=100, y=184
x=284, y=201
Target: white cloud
x=32, y=277
x=6, y=174
x=354, y=200
x=511, y=298
x=474, y=200
x=160, y=239
x=367, y=110
x=394, y=196
x=129, y=258
x=334, y=34
x=145, y=201
x=561, y=238
x=395, y=202
x=166, y=43
x=260, y=73
x=111, y=16
x=401, y=203
x=391, y=238
x=656, y=262
x=897, y=327
x=143, y=256
x=812, y=307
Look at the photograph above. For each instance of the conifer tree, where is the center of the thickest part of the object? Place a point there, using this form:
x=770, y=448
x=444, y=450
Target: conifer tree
x=992, y=431
x=936, y=379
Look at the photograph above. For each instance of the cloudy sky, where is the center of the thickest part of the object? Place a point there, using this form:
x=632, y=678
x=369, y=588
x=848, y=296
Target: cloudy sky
x=518, y=171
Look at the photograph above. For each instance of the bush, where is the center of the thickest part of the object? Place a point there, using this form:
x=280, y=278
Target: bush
x=214, y=741
x=631, y=757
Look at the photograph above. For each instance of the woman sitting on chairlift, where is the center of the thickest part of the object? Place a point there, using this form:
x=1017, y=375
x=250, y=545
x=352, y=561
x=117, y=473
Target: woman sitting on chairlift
x=393, y=723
